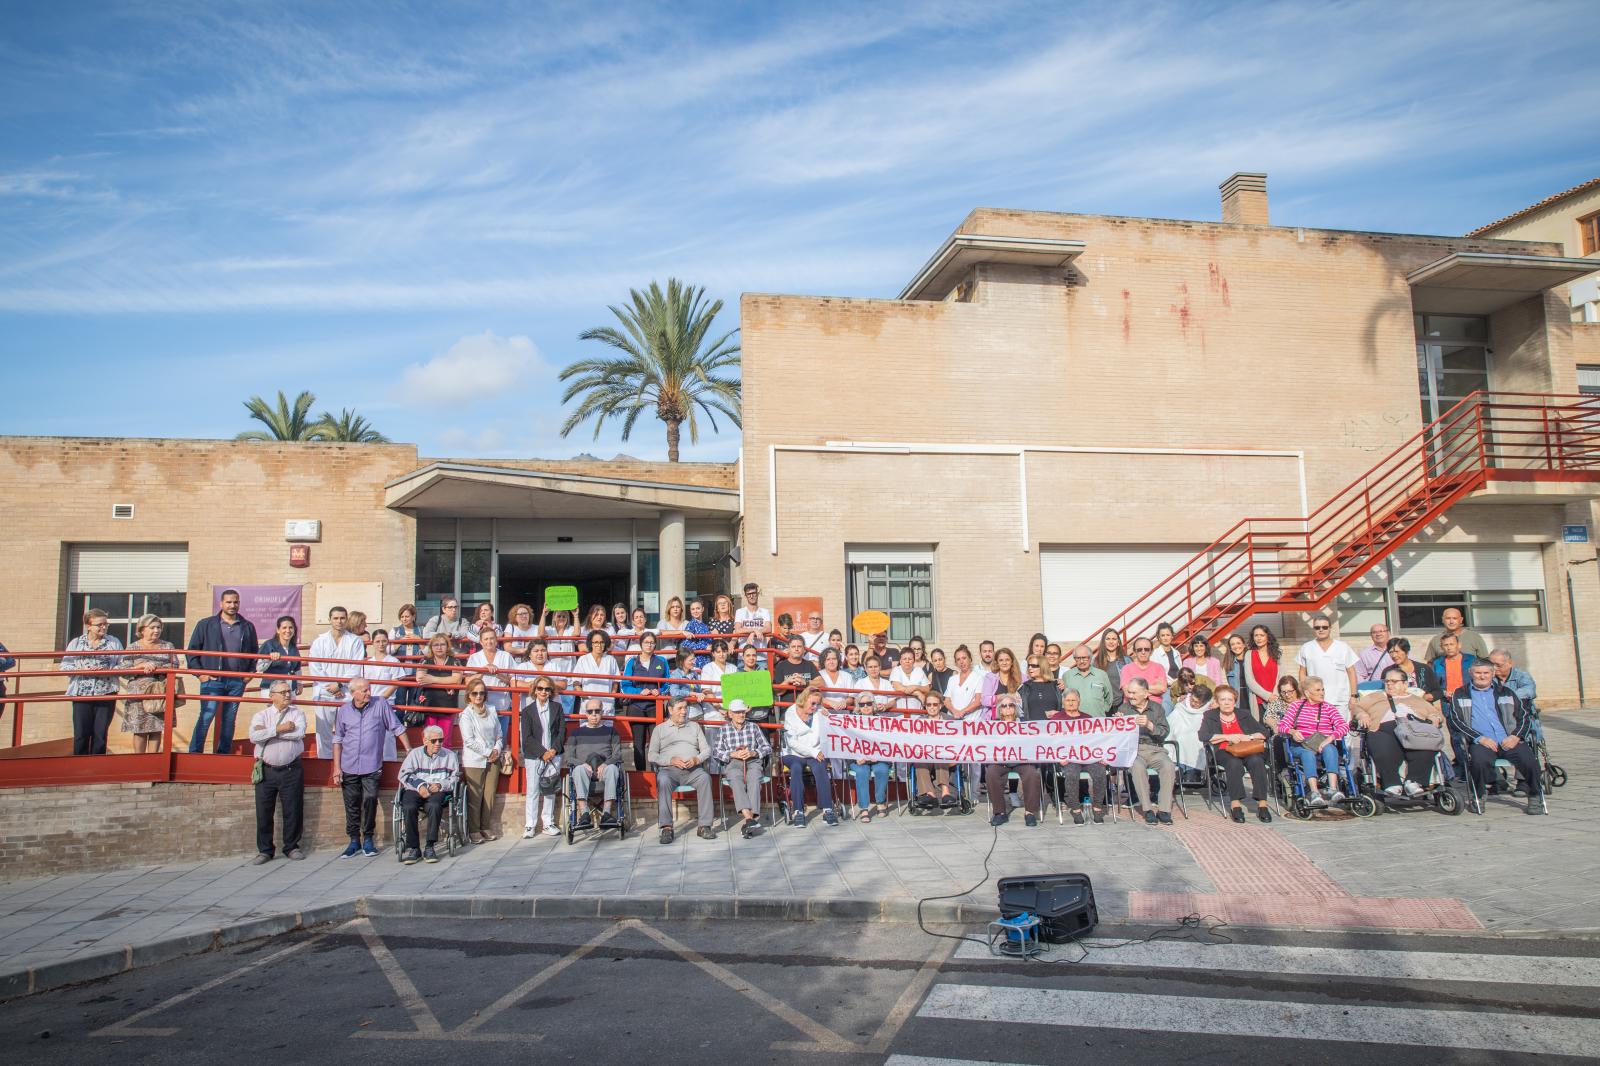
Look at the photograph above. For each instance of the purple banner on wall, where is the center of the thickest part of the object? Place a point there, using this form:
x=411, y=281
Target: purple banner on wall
x=263, y=604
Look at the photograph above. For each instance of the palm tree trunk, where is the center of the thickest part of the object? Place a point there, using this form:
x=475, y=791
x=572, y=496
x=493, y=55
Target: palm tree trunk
x=672, y=441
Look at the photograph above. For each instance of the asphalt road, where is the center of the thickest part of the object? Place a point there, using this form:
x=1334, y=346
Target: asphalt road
x=726, y=993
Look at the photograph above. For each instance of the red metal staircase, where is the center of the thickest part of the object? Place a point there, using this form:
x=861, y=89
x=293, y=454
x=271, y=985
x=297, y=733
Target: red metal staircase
x=1265, y=565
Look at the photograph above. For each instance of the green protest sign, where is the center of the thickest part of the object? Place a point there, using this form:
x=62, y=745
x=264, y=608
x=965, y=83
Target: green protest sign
x=561, y=597
x=752, y=686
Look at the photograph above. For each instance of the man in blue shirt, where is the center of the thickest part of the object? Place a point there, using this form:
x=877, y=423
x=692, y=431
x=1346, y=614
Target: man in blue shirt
x=358, y=731
x=1495, y=723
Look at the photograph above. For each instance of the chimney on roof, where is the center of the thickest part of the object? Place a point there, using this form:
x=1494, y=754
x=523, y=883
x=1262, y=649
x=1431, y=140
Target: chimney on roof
x=1244, y=199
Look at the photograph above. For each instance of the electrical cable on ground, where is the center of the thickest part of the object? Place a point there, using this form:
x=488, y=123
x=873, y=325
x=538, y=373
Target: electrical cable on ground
x=955, y=895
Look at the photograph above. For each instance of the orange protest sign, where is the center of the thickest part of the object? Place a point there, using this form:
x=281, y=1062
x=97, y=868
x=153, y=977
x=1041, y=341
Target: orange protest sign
x=871, y=623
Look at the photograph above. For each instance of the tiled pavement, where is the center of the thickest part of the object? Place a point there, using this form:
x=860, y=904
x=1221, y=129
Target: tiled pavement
x=1504, y=871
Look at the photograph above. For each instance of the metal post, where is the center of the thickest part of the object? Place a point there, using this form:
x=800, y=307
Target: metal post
x=1572, y=612
x=168, y=720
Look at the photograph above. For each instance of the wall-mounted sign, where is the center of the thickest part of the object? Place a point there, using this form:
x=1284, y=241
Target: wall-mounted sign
x=1575, y=534
x=303, y=529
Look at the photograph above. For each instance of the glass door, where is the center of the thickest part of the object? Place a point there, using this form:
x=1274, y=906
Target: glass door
x=1452, y=363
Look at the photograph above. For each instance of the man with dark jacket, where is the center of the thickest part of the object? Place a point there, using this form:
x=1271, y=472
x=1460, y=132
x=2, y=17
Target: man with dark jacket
x=1152, y=754
x=544, y=733
x=231, y=640
x=1494, y=724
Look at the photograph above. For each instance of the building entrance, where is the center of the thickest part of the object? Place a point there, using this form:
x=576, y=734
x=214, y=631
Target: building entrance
x=599, y=579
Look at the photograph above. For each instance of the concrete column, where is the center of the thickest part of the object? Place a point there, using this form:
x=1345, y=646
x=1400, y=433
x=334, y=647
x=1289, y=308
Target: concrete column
x=672, y=558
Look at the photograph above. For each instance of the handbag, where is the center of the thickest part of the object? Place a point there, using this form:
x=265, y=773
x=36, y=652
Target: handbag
x=506, y=762
x=1418, y=734
x=413, y=719
x=1243, y=748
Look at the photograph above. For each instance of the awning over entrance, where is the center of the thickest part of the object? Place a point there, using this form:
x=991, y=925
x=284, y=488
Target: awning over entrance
x=466, y=491
x=1481, y=283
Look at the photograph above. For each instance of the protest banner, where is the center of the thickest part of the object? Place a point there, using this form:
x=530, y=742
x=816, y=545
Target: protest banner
x=916, y=739
x=264, y=605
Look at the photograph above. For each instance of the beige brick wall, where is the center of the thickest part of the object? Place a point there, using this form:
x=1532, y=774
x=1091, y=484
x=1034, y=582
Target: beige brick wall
x=226, y=500
x=107, y=827
x=1187, y=336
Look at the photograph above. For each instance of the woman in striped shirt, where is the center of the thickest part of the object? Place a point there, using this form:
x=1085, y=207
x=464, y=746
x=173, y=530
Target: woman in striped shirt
x=1313, y=727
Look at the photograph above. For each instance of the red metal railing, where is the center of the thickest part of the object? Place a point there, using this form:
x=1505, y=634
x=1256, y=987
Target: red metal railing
x=40, y=762
x=1299, y=564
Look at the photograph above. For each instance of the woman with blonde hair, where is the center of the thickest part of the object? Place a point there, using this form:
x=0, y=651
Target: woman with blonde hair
x=722, y=615
x=672, y=619
x=143, y=718
x=481, y=749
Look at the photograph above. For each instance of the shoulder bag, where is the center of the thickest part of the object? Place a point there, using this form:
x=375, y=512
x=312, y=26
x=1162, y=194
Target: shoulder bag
x=1418, y=734
x=1244, y=748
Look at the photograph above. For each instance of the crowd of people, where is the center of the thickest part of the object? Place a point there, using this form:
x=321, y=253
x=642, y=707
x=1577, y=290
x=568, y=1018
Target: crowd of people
x=605, y=685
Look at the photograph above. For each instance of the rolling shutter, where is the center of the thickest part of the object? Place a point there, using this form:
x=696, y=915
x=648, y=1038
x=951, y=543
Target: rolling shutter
x=1462, y=569
x=128, y=568
x=1084, y=587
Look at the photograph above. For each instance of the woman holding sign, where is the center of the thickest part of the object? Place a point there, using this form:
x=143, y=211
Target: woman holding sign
x=1008, y=709
x=802, y=751
x=1238, y=741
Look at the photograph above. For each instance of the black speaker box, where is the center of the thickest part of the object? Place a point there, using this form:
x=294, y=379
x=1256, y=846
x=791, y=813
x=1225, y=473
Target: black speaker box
x=1064, y=903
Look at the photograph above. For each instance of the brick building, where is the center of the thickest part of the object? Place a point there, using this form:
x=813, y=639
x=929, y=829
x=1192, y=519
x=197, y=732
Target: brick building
x=1056, y=412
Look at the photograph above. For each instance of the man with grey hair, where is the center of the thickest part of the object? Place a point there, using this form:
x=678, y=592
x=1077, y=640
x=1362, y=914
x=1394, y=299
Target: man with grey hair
x=427, y=778
x=678, y=751
x=594, y=751
x=359, y=729
x=1152, y=753
x=278, y=733
x=1096, y=693
x=1517, y=680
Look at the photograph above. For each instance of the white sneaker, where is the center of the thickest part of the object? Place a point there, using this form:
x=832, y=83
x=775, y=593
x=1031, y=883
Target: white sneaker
x=1314, y=798
x=1337, y=797
x=1394, y=790
x=1414, y=789
x=528, y=832
x=551, y=831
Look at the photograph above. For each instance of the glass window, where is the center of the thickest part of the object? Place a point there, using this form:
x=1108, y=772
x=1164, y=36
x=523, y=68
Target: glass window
x=904, y=591
x=705, y=567
x=436, y=569
x=1361, y=609
x=475, y=566
x=1589, y=379
x=124, y=608
x=1454, y=328
x=1495, y=610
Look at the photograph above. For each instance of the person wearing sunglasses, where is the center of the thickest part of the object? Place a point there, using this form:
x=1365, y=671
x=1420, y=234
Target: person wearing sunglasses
x=1333, y=661
x=1041, y=696
x=544, y=734
x=427, y=778
x=1008, y=708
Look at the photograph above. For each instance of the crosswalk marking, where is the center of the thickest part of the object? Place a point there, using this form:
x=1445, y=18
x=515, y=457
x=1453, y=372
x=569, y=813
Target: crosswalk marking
x=1421, y=1027
x=1511, y=970
x=924, y=1060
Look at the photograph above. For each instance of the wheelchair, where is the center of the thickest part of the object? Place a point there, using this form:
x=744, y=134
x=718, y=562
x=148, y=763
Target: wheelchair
x=1292, y=790
x=1437, y=795
x=591, y=821
x=958, y=791
x=452, y=822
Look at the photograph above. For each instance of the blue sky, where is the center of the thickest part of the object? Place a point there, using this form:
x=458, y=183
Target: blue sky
x=414, y=209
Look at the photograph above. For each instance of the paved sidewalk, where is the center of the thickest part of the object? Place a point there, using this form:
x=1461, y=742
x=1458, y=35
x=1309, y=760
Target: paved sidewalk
x=1502, y=872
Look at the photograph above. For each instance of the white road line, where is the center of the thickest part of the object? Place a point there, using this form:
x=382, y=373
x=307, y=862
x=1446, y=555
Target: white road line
x=923, y=1060
x=125, y=1026
x=421, y=1014
x=1417, y=1027
x=1334, y=962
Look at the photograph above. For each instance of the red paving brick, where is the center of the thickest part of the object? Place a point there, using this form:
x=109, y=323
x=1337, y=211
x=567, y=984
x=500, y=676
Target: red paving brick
x=1346, y=912
x=1263, y=879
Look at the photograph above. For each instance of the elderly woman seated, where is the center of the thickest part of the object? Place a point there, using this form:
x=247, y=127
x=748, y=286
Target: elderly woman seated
x=1008, y=709
x=1072, y=772
x=1238, y=741
x=427, y=777
x=594, y=751
x=1394, y=717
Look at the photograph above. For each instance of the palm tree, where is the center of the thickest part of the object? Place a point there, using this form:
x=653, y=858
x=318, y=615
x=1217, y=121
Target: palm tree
x=348, y=428
x=282, y=422
x=667, y=365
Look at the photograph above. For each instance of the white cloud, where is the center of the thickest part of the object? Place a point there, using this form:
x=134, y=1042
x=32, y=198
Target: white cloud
x=478, y=365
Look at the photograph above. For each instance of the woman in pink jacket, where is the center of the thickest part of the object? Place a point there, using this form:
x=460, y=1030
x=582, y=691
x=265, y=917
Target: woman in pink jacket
x=1313, y=727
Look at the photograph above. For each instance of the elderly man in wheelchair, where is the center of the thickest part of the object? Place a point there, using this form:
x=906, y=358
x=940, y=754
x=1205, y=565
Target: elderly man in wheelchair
x=1495, y=724
x=428, y=777
x=594, y=751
